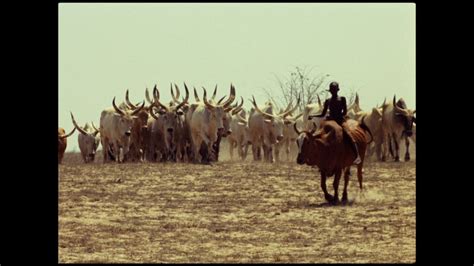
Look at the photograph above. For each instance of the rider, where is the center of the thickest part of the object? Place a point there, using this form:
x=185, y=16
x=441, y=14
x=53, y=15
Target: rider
x=337, y=112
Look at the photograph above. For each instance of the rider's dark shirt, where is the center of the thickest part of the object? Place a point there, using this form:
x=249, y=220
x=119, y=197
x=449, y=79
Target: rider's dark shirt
x=337, y=109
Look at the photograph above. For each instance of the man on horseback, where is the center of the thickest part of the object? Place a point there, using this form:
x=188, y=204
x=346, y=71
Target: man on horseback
x=337, y=111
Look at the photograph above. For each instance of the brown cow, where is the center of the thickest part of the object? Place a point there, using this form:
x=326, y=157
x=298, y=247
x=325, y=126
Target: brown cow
x=330, y=150
x=62, y=142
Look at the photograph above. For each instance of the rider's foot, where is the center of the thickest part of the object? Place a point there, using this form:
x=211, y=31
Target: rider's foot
x=357, y=160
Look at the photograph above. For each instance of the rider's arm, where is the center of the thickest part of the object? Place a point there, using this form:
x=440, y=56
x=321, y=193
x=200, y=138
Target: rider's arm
x=344, y=106
x=325, y=109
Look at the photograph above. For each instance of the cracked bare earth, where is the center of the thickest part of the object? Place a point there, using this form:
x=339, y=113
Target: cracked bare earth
x=232, y=211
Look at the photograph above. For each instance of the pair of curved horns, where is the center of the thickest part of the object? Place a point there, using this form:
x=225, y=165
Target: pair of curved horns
x=236, y=109
x=81, y=129
x=137, y=110
x=395, y=106
x=272, y=115
x=156, y=96
x=224, y=104
x=295, y=127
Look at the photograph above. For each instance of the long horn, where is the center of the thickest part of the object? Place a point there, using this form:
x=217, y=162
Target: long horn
x=240, y=118
x=260, y=111
x=296, y=129
x=147, y=96
x=297, y=116
x=77, y=126
x=116, y=108
x=131, y=105
x=196, y=97
x=357, y=99
x=220, y=100
x=231, y=97
x=152, y=113
x=395, y=106
x=186, y=98
x=175, y=98
x=319, y=101
x=214, y=93
x=96, y=130
x=138, y=109
x=287, y=108
x=156, y=97
x=238, y=108
x=291, y=111
x=65, y=136
x=210, y=106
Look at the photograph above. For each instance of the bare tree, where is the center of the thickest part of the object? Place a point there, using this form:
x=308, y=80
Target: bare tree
x=301, y=83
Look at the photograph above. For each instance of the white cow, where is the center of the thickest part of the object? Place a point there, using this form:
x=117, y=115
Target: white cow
x=88, y=140
x=205, y=124
x=240, y=134
x=312, y=109
x=266, y=129
x=397, y=122
x=169, y=125
x=289, y=135
x=115, y=129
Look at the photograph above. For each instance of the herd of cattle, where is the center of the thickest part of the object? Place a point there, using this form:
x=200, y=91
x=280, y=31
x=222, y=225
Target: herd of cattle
x=192, y=132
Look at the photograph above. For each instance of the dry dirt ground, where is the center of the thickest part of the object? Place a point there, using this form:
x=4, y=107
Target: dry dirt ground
x=232, y=212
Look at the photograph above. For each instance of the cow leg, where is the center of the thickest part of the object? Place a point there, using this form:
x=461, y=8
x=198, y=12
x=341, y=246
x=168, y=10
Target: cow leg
x=60, y=157
x=287, y=144
x=346, y=182
x=407, y=152
x=277, y=151
x=231, y=149
x=84, y=157
x=397, y=152
x=268, y=153
x=105, y=150
x=378, y=151
x=256, y=150
x=238, y=145
x=265, y=152
x=246, y=149
x=359, y=174
x=335, y=185
x=117, y=152
x=327, y=196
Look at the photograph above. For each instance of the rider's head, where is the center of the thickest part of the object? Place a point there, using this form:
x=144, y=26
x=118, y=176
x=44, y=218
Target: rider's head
x=334, y=87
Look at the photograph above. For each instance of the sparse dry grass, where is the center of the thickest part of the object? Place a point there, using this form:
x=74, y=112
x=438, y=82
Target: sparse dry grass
x=232, y=212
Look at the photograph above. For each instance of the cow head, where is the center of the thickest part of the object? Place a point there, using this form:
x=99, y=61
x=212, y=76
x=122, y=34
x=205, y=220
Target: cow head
x=404, y=116
x=304, y=141
x=288, y=125
x=315, y=145
x=274, y=123
x=219, y=110
x=173, y=113
x=229, y=113
x=125, y=119
x=88, y=140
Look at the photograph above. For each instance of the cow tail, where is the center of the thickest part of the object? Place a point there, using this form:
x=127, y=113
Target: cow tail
x=366, y=128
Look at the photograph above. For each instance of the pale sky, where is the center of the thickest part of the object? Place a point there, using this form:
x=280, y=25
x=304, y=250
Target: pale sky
x=105, y=49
